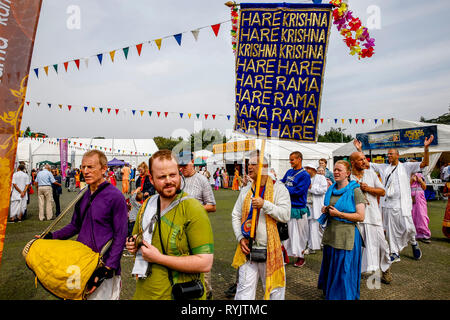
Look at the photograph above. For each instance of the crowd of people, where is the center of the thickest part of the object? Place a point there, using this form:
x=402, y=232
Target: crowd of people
x=360, y=216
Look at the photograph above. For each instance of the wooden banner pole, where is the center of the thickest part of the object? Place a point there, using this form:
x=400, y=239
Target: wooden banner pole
x=257, y=187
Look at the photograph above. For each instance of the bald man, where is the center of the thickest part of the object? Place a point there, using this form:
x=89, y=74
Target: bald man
x=397, y=203
x=375, y=253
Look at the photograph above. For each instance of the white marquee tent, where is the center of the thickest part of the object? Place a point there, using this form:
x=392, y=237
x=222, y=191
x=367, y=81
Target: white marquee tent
x=133, y=151
x=439, y=151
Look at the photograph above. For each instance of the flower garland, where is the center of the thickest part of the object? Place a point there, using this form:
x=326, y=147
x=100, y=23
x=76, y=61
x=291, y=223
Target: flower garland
x=347, y=24
x=234, y=25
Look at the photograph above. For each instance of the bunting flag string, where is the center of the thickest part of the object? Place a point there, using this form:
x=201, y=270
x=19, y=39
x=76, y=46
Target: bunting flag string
x=126, y=50
x=199, y=116
x=77, y=145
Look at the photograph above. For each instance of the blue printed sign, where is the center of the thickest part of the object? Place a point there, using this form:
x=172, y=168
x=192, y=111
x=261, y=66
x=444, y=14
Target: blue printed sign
x=400, y=138
x=280, y=63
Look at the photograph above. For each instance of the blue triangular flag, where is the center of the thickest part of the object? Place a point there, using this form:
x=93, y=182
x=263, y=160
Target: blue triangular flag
x=49, y=105
x=85, y=109
x=100, y=57
x=181, y=115
x=178, y=38
x=376, y=120
x=228, y=116
x=134, y=111
x=335, y=120
x=37, y=72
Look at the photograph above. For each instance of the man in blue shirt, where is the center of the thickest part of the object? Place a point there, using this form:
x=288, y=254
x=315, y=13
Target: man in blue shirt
x=45, y=180
x=297, y=181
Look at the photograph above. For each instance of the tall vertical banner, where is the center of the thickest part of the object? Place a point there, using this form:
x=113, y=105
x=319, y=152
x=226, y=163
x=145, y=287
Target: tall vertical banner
x=63, y=155
x=18, y=23
x=280, y=63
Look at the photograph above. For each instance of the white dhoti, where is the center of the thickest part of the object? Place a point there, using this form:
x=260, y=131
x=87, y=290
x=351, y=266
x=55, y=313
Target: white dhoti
x=108, y=290
x=249, y=273
x=298, y=236
x=315, y=234
x=375, y=254
x=17, y=208
x=400, y=229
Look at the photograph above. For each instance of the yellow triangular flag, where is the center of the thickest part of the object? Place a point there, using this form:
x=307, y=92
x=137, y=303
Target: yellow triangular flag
x=93, y=109
x=112, y=53
x=60, y=106
x=382, y=120
x=46, y=70
x=158, y=43
x=142, y=112
x=189, y=115
x=343, y=120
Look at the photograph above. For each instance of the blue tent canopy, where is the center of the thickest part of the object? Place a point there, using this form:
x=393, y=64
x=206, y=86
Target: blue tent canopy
x=116, y=162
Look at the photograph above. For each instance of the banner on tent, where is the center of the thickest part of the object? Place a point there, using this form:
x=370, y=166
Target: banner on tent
x=400, y=138
x=280, y=65
x=236, y=146
x=18, y=22
x=63, y=152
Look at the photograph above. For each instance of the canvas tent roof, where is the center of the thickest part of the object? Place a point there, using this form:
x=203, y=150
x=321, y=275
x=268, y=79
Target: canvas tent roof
x=443, y=139
x=133, y=151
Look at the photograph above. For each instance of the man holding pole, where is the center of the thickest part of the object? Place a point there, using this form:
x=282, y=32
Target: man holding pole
x=397, y=204
x=254, y=220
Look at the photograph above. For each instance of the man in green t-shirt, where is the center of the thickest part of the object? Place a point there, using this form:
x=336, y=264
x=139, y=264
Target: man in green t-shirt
x=176, y=248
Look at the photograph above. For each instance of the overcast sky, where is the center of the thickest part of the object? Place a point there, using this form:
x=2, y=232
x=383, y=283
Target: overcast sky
x=408, y=76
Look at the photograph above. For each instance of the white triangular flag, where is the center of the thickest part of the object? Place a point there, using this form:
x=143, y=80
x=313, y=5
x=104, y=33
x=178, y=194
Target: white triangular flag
x=195, y=33
x=86, y=61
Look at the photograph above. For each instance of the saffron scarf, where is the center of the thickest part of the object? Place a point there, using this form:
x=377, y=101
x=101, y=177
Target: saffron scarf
x=275, y=274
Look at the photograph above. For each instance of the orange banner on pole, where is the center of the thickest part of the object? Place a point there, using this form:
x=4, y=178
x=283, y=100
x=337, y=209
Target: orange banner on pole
x=18, y=24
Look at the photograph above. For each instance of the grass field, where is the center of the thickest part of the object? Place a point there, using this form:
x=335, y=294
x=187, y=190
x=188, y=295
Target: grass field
x=416, y=280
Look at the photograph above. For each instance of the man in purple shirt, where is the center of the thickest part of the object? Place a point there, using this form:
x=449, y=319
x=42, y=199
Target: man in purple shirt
x=99, y=216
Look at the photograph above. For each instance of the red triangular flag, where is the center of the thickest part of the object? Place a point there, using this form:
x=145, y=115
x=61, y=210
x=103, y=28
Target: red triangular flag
x=158, y=113
x=216, y=28
x=362, y=120
x=117, y=111
x=166, y=113
x=109, y=109
x=206, y=116
x=66, y=64
x=214, y=116
x=356, y=120
x=77, y=62
x=69, y=106
x=139, y=48
x=321, y=120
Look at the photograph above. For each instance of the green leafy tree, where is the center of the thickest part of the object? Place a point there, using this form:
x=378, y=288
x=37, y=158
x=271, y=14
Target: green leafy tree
x=335, y=135
x=167, y=143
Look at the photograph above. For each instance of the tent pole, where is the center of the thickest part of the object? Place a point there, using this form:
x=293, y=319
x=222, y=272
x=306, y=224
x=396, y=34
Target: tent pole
x=257, y=187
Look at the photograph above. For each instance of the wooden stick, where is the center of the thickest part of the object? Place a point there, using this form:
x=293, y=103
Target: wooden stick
x=257, y=186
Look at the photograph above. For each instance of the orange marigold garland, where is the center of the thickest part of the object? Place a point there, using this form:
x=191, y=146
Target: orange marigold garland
x=347, y=25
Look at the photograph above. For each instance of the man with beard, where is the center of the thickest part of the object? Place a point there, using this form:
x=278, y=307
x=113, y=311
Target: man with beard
x=397, y=204
x=375, y=253
x=172, y=237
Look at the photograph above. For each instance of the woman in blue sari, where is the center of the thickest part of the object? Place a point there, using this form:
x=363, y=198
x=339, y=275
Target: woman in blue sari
x=340, y=273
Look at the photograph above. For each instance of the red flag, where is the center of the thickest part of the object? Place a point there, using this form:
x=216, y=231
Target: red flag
x=166, y=113
x=69, y=106
x=214, y=116
x=77, y=62
x=216, y=28
x=66, y=64
x=356, y=120
x=362, y=120
x=117, y=111
x=139, y=48
x=109, y=109
x=321, y=120
x=206, y=116
x=158, y=113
